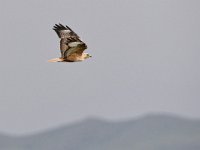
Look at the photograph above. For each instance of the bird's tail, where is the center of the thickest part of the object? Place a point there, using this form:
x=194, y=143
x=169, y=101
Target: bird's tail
x=55, y=60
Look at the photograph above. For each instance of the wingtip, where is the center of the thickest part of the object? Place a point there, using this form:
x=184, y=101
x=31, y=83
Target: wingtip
x=59, y=26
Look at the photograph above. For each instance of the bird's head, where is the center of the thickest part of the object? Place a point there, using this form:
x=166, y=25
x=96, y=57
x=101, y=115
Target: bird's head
x=87, y=55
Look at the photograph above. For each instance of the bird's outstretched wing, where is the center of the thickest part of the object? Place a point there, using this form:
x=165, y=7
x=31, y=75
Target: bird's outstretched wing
x=70, y=42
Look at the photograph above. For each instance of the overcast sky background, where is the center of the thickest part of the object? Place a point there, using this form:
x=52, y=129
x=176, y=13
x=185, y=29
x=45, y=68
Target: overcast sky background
x=146, y=58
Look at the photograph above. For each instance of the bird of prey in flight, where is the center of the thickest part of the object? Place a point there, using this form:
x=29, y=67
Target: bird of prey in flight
x=71, y=46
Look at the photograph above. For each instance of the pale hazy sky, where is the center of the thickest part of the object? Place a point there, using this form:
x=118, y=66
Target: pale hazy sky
x=146, y=58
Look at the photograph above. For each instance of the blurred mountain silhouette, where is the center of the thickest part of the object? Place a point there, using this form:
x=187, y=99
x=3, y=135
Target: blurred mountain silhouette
x=151, y=132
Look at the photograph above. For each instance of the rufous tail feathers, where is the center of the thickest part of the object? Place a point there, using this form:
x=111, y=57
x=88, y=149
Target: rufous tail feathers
x=55, y=60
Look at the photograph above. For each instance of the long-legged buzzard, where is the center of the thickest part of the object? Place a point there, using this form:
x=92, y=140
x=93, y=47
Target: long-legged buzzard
x=71, y=46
